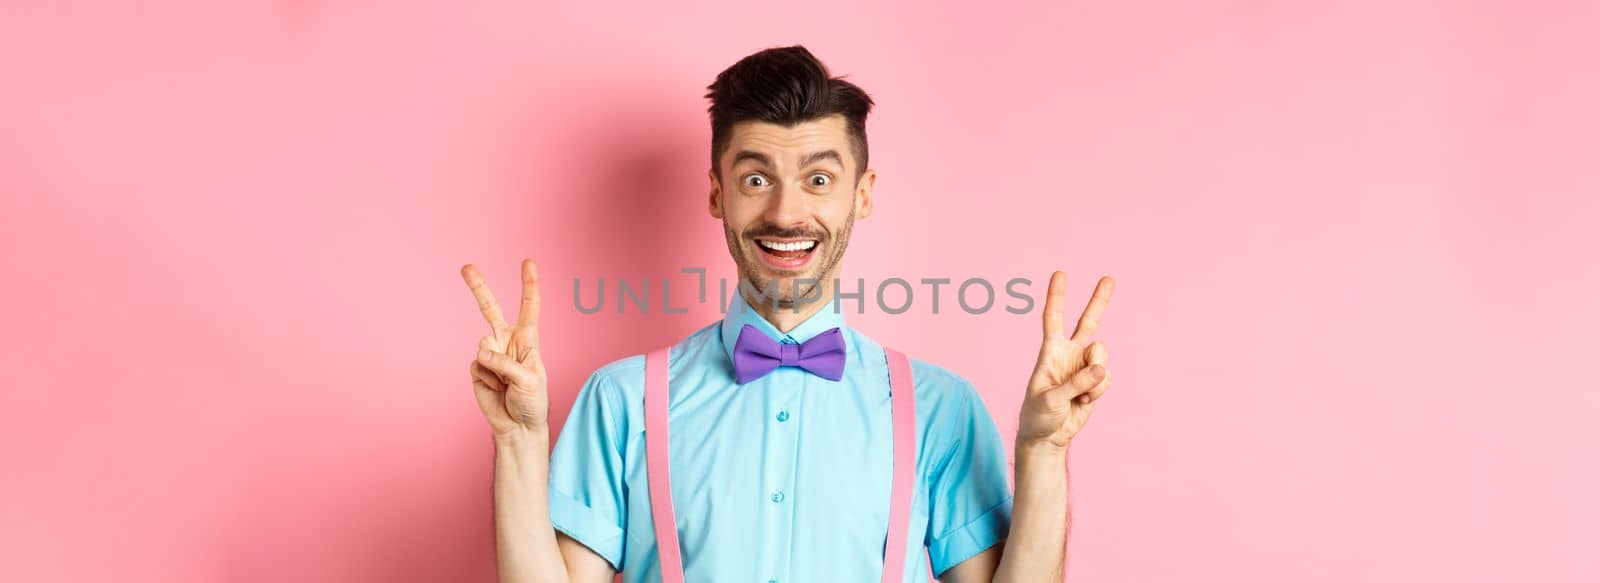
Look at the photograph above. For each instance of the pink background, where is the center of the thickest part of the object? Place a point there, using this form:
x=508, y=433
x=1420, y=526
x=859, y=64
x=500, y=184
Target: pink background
x=1355, y=336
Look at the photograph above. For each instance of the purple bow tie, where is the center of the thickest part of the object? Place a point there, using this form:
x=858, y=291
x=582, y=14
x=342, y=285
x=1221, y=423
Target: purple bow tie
x=755, y=355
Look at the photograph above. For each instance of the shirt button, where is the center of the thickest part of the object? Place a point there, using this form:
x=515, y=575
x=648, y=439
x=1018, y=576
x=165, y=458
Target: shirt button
x=777, y=495
x=783, y=415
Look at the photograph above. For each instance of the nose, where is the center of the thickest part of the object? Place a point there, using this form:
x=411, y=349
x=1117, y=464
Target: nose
x=787, y=207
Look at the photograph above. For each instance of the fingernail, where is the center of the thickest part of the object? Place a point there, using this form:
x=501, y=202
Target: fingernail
x=1099, y=372
x=483, y=354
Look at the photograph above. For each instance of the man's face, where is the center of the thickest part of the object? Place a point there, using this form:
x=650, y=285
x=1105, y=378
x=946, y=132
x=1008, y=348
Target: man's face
x=787, y=199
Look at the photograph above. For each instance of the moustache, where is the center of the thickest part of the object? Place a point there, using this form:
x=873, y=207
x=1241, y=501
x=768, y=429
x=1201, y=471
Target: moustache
x=777, y=233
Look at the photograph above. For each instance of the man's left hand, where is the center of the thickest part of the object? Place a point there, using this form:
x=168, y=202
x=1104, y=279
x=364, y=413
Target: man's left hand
x=1071, y=373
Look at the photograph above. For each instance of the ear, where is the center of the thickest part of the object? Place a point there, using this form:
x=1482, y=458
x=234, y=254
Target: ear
x=864, y=193
x=716, y=195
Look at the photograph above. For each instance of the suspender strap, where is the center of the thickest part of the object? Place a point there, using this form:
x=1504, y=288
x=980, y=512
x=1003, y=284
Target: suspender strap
x=658, y=474
x=902, y=403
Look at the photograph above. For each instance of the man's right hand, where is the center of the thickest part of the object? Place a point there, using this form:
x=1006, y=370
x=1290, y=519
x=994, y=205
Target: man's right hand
x=507, y=374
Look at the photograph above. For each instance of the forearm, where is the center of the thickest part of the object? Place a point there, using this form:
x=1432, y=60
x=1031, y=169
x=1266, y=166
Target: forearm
x=1037, y=545
x=525, y=542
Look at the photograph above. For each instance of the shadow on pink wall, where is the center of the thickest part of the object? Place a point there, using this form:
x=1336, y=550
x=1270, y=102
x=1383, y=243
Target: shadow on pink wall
x=628, y=217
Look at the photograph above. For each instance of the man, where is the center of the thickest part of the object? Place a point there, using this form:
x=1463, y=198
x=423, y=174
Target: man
x=780, y=473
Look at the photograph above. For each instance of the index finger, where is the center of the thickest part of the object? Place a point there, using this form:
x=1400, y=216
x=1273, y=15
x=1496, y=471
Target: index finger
x=529, y=313
x=1090, y=320
x=480, y=291
x=1055, y=300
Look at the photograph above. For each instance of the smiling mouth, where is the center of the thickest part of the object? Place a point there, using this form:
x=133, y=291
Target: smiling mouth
x=787, y=254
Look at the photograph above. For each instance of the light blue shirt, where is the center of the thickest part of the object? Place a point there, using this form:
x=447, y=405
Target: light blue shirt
x=785, y=479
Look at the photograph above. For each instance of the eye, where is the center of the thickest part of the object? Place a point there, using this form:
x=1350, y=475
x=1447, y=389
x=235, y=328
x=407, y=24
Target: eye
x=755, y=181
x=820, y=179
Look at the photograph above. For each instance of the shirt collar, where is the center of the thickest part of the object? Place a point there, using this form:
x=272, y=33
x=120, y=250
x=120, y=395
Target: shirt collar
x=740, y=313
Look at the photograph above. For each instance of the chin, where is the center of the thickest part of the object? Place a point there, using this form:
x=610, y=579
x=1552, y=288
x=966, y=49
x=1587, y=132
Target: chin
x=783, y=282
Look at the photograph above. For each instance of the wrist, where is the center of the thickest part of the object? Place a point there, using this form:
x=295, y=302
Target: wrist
x=1042, y=449
x=522, y=439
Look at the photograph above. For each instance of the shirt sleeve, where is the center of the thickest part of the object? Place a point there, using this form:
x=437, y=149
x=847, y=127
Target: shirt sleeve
x=969, y=494
x=587, y=496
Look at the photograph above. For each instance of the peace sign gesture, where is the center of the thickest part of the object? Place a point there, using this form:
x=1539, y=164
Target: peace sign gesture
x=1071, y=372
x=507, y=374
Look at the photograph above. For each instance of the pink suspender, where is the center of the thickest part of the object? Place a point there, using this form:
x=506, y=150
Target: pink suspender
x=656, y=470
x=902, y=403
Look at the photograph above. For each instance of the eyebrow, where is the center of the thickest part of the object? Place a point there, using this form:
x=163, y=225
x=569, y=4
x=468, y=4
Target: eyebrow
x=750, y=155
x=815, y=157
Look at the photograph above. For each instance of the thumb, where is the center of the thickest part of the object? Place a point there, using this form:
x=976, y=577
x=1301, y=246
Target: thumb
x=516, y=375
x=1086, y=379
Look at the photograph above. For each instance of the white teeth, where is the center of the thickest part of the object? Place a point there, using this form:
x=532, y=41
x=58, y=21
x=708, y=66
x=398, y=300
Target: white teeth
x=794, y=246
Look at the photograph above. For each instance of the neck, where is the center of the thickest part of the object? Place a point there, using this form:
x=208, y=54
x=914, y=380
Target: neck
x=786, y=318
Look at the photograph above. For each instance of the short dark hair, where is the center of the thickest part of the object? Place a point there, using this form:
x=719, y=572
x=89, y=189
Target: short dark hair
x=785, y=86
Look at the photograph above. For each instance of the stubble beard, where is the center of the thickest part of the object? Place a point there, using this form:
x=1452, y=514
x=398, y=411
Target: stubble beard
x=745, y=252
